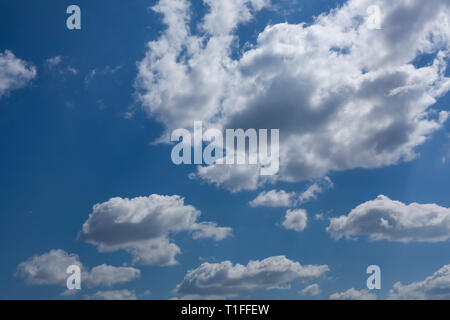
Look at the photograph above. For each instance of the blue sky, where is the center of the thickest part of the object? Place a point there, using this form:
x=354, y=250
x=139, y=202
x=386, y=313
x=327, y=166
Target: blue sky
x=71, y=138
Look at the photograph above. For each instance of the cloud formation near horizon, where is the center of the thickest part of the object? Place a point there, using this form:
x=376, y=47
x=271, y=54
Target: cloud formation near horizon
x=226, y=280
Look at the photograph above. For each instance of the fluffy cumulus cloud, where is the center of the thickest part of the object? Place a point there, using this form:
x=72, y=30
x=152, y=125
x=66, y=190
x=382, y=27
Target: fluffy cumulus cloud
x=50, y=269
x=385, y=219
x=311, y=290
x=107, y=276
x=225, y=280
x=342, y=94
x=14, y=73
x=435, y=287
x=296, y=220
x=234, y=178
x=114, y=295
x=353, y=294
x=142, y=226
x=274, y=198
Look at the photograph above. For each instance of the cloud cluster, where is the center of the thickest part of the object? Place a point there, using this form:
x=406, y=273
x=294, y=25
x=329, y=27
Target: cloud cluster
x=225, y=280
x=343, y=95
x=142, y=227
x=14, y=73
x=385, y=219
x=50, y=269
x=353, y=294
x=435, y=287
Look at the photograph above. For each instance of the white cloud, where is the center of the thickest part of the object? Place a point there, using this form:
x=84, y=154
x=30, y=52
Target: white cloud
x=142, y=227
x=353, y=294
x=311, y=290
x=107, y=276
x=385, y=219
x=274, y=199
x=114, y=295
x=225, y=280
x=281, y=198
x=47, y=269
x=435, y=287
x=296, y=220
x=14, y=73
x=53, y=61
x=50, y=269
x=319, y=217
x=56, y=64
x=342, y=95
x=234, y=178
x=108, y=70
x=314, y=190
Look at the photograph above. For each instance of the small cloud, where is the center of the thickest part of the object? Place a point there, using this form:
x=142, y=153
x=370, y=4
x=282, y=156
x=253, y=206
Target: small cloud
x=319, y=217
x=273, y=199
x=314, y=190
x=14, y=72
x=353, y=294
x=296, y=220
x=53, y=62
x=100, y=72
x=56, y=64
x=311, y=291
x=281, y=198
x=114, y=295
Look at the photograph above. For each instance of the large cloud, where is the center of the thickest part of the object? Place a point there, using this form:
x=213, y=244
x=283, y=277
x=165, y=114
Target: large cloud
x=385, y=219
x=225, y=280
x=142, y=226
x=343, y=95
x=50, y=269
x=435, y=287
x=14, y=73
